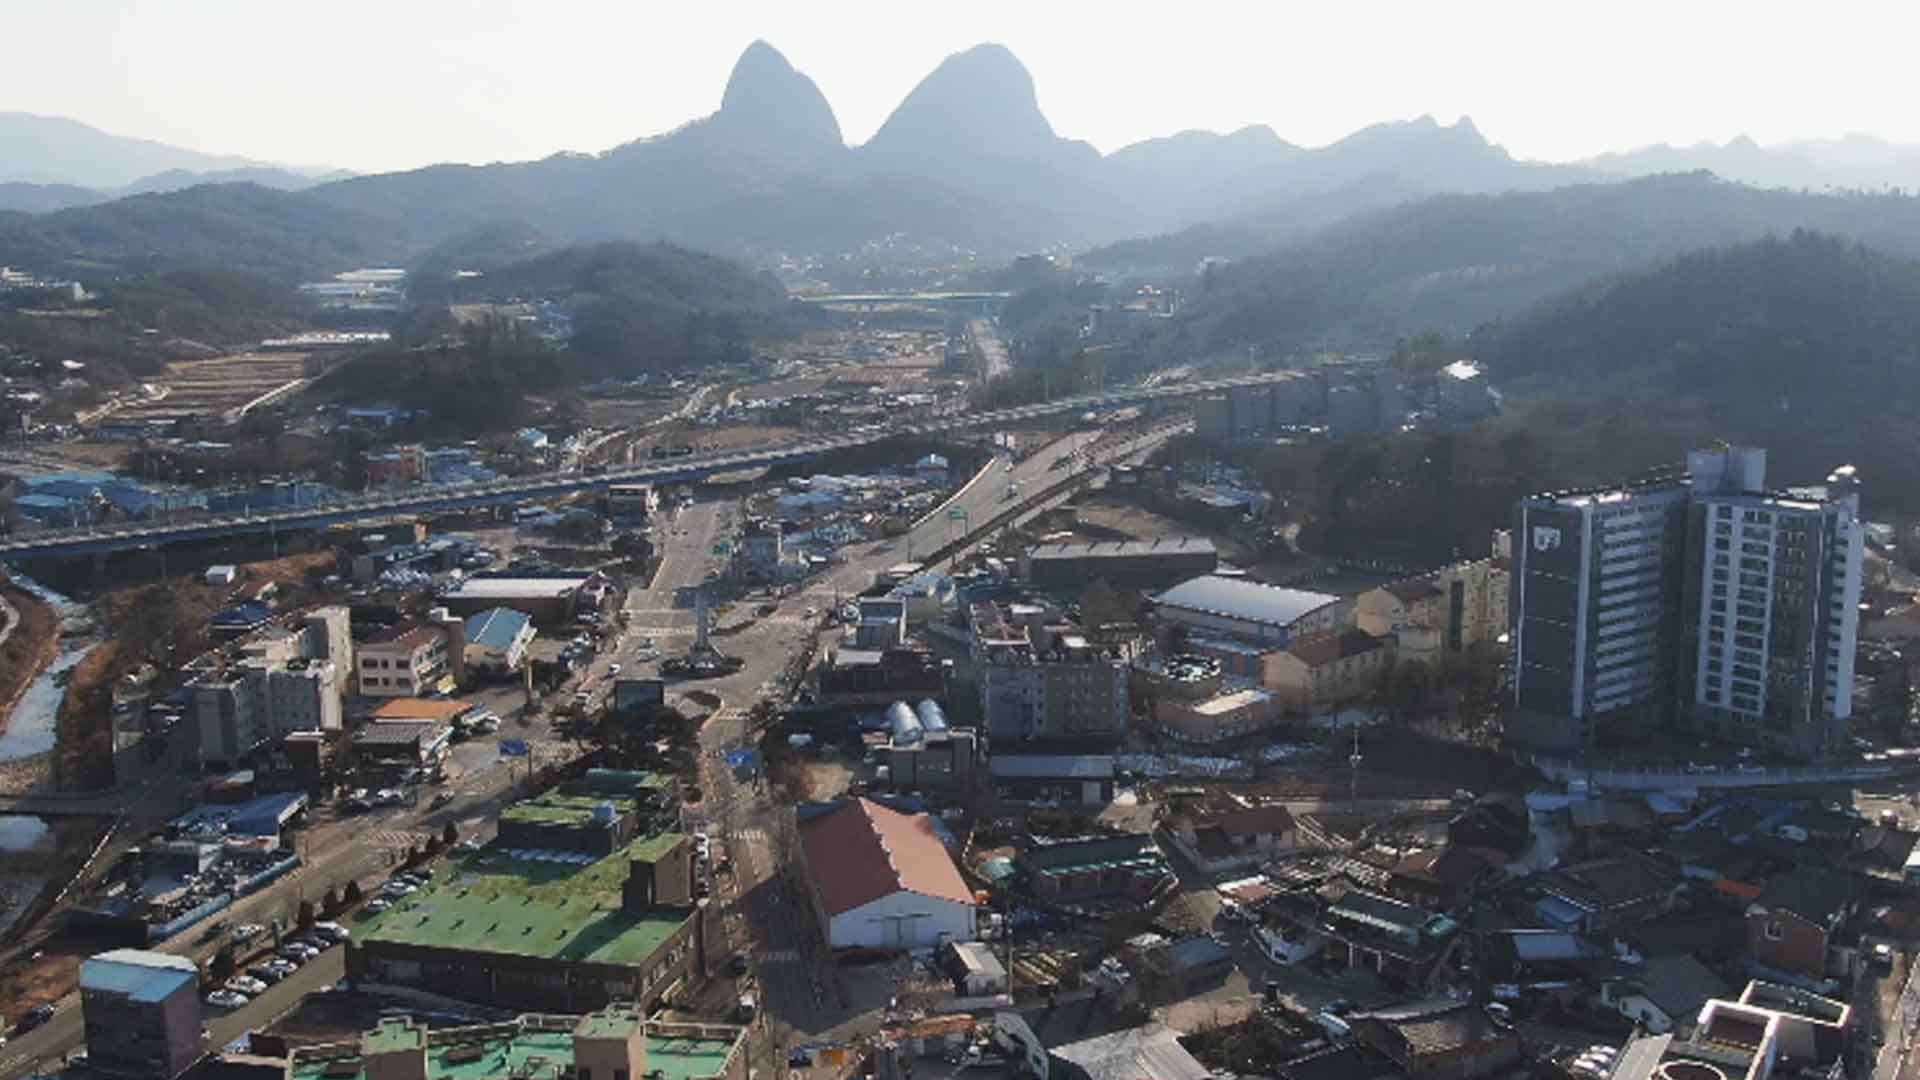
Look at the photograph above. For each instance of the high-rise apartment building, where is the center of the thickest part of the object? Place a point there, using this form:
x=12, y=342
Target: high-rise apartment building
x=1705, y=603
x=1595, y=595
x=1771, y=609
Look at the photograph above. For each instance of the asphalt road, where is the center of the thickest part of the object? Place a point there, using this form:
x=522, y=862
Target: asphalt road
x=365, y=846
x=53, y=1042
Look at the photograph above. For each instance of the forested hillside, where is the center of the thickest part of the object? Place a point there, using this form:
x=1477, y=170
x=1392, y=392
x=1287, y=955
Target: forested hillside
x=1808, y=344
x=1452, y=262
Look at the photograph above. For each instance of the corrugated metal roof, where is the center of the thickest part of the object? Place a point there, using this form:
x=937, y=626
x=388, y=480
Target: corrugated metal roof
x=1240, y=599
x=863, y=851
x=138, y=974
x=1171, y=545
x=496, y=628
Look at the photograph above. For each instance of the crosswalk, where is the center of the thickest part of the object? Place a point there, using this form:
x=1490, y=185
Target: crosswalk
x=395, y=838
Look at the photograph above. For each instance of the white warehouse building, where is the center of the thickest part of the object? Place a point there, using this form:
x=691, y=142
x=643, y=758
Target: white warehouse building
x=881, y=879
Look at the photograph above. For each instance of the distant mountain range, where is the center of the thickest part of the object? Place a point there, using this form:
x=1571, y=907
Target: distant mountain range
x=50, y=163
x=966, y=163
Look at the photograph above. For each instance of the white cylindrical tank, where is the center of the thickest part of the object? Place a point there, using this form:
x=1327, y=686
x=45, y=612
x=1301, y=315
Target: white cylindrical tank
x=933, y=719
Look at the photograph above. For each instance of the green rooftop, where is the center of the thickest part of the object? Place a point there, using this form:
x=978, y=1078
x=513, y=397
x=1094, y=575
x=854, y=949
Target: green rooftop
x=654, y=848
x=550, y=910
x=498, y=1051
x=553, y=808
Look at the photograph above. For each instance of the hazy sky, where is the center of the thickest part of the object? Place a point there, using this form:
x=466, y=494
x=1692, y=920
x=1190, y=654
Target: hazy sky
x=407, y=82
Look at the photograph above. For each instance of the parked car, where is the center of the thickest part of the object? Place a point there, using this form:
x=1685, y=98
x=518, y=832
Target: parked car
x=246, y=984
x=226, y=999
x=331, y=931
x=248, y=931
x=298, y=952
x=739, y=964
x=213, y=931
x=377, y=905
x=267, y=973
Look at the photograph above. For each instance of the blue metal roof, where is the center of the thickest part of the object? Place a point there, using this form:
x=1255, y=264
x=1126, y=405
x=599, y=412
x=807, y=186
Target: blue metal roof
x=138, y=974
x=496, y=628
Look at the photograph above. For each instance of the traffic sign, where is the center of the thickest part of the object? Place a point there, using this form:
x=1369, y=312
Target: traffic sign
x=958, y=513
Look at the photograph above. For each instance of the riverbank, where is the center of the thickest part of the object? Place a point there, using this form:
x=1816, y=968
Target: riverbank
x=32, y=645
x=83, y=752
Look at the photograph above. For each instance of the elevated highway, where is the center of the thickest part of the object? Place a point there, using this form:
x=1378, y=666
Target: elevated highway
x=440, y=498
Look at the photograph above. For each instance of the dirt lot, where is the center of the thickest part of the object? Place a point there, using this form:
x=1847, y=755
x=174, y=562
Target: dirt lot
x=217, y=386
x=1397, y=763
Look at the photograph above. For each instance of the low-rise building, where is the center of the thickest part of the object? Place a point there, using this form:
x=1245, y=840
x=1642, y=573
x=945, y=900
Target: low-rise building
x=409, y=661
x=617, y=1043
x=1394, y=939
x=141, y=1012
x=597, y=815
x=1439, y=617
x=1601, y=895
x=1771, y=1032
x=497, y=640
x=1213, y=605
x=1440, y=1039
x=550, y=599
x=537, y=933
x=1233, y=713
x=882, y=879
x=1159, y=563
x=1441, y=878
x=1232, y=832
x=1320, y=672
x=1793, y=924
x=1063, y=779
x=1152, y=1052
x=1040, y=678
x=855, y=676
x=1079, y=869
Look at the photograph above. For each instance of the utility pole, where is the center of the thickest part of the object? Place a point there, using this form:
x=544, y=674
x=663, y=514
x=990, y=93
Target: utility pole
x=1353, y=764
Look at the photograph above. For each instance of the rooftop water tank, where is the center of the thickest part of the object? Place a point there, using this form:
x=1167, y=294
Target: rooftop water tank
x=906, y=726
x=933, y=719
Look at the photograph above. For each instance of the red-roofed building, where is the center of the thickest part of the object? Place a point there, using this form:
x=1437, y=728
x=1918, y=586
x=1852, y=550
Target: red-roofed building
x=881, y=879
x=1323, y=671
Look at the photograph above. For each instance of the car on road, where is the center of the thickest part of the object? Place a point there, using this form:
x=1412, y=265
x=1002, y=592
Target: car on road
x=440, y=799
x=226, y=999
x=245, y=984
x=33, y=1018
x=1883, y=955
x=739, y=964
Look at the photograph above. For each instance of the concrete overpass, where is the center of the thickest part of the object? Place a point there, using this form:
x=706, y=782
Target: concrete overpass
x=964, y=301
x=134, y=535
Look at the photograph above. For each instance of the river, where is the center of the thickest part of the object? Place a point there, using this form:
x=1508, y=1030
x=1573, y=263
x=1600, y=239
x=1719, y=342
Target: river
x=30, y=730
